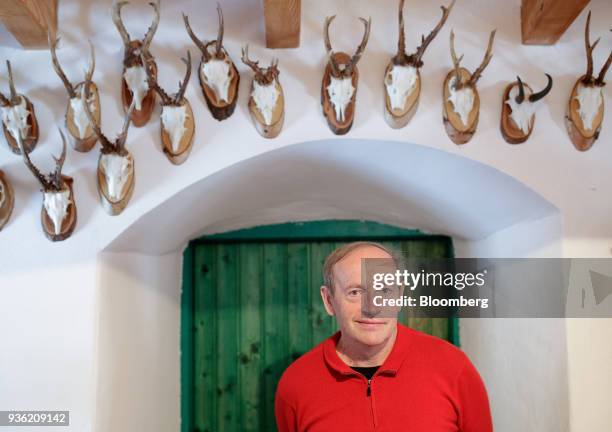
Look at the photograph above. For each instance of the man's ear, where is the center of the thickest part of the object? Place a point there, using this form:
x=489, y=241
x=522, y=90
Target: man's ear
x=326, y=295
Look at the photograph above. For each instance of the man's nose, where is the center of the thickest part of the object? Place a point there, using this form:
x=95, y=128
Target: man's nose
x=368, y=308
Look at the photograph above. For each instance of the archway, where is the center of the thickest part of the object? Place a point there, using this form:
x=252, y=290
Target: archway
x=486, y=212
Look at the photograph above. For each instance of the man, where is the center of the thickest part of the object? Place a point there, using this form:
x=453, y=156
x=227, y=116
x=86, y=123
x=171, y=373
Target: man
x=375, y=374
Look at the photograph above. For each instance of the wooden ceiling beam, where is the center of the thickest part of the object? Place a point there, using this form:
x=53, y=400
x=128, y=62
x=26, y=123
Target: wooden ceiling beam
x=544, y=21
x=29, y=20
x=282, y=19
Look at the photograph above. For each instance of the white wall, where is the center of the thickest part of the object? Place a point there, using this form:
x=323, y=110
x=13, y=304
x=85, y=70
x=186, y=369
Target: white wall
x=54, y=323
x=138, y=383
x=522, y=361
x=589, y=352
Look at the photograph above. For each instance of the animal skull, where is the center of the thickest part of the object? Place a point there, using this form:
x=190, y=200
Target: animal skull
x=462, y=100
x=117, y=170
x=265, y=97
x=15, y=118
x=589, y=99
x=340, y=91
x=400, y=82
x=80, y=117
x=521, y=112
x=56, y=205
x=217, y=76
x=173, y=118
x=136, y=80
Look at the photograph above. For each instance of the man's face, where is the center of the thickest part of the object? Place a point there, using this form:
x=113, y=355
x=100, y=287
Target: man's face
x=357, y=322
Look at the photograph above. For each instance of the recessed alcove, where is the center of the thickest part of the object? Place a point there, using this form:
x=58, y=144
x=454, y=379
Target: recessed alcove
x=486, y=212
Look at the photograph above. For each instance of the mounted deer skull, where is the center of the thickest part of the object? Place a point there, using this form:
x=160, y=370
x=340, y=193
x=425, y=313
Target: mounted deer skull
x=77, y=123
x=59, y=213
x=266, y=100
x=116, y=172
x=219, y=77
x=134, y=84
x=402, y=79
x=461, y=99
x=585, y=108
x=340, y=79
x=18, y=118
x=177, y=120
x=519, y=105
x=7, y=200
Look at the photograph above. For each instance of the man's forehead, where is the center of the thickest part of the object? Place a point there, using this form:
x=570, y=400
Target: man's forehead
x=348, y=269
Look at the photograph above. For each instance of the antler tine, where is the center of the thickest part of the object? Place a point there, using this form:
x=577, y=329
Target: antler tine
x=456, y=61
x=250, y=63
x=401, y=43
x=274, y=64
x=125, y=36
x=92, y=62
x=122, y=137
x=194, y=38
x=151, y=31
x=330, y=52
x=589, y=48
x=147, y=61
x=602, y=74
x=59, y=163
x=364, y=41
x=220, y=32
x=4, y=101
x=26, y=159
x=485, y=61
x=106, y=144
x=425, y=41
x=183, y=85
x=328, y=21
x=14, y=95
x=520, y=98
x=539, y=95
x=58, y=68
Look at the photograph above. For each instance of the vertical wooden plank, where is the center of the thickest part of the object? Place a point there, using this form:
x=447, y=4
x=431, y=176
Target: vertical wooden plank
x=249, y=369
x=323, y=325
x=417, y=250
x=275, y=324
x=299, y=296
x=187, y=339
x=439, y=328
x=205, y=340
x=436, y=249
x=227, y=338
x=282, y=18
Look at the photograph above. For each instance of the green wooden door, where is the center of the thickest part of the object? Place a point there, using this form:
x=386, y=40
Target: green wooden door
x=251, y=306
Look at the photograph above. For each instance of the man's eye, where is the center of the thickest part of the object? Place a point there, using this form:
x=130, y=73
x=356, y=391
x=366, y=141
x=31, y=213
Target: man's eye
x=354, y=292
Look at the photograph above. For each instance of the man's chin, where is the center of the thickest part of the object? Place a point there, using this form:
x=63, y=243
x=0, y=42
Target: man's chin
x=372, y=333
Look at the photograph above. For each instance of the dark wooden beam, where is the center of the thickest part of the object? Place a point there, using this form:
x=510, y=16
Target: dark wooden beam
x=282, y=23
x=544, y=21
x=29, y=20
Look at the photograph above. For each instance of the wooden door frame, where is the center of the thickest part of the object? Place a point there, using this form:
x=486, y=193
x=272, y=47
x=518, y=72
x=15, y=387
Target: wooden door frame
x=330, y=230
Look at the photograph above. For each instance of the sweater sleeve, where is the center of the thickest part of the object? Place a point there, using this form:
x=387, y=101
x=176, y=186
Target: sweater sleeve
x=473, y=403
x=286, y=420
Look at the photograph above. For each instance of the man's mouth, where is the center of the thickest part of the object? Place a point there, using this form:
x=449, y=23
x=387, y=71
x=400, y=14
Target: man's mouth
x=371, y=323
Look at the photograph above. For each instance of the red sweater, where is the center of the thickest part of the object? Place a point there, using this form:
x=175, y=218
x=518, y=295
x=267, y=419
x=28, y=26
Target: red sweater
x=425, y=385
